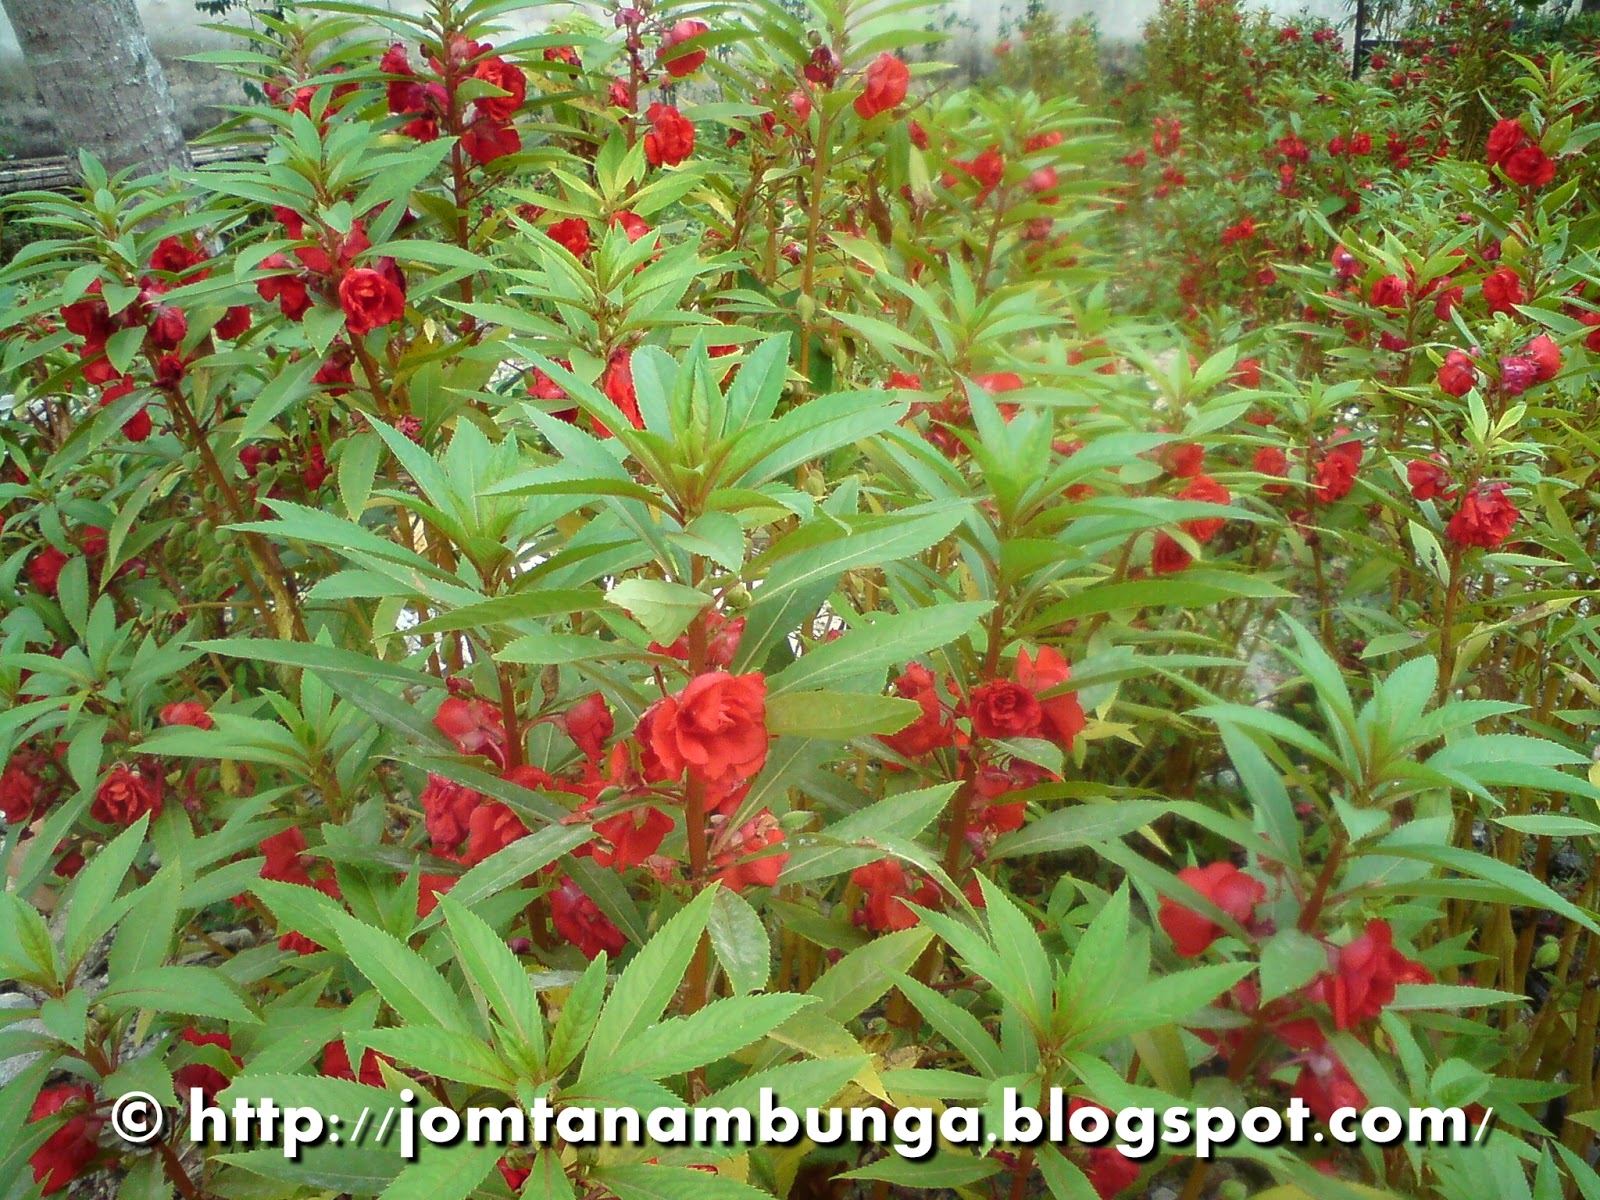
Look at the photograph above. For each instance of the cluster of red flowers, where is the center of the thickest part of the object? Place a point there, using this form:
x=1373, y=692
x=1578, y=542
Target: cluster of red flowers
x=174, y=262
x=371, y=296
x=1358, y=984
x=430, y=106
x=1033, y=703
x=1518, y=156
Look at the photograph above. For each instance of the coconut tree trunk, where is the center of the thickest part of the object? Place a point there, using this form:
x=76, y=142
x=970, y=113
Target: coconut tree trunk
x=92, y=64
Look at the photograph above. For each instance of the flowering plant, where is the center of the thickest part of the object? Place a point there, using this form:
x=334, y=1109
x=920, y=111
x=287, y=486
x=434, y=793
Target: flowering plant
x=648, y=561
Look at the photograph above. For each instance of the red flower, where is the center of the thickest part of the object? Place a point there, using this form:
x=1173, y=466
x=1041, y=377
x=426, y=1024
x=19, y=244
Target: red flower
x=1390, y=292
x=288, y=290
x=1241, y=232
x=887, y=886
x=671, y=136
x=589, y=724
x=1063, y=718
x=987, y=169
x=1546, y=355
x=1247, y=374
x=1183, y=459
x=1110, y=1171
x=336, y=1065
x=617, y=383
x=630, y=223
x=67, y=1151
x=884, y=86
x=1363, y=977
x=1485, y=518
x=509, y=79
x=1529, y=167
x=187, y=712
x=515, y=1177
x=447, y=809
x=1325, y=1086
x=199, y=1075
x=930, y=731
x=1502, y=290
x=234, y=324
x=1517, y=374
x=44, y=569
x=175, y=256
x=679, y=63
x=371, y=298
x=125, y=796
x=429, y=889
x=1448, y=301
x=488, y=140
x=722, y=641
x=1222, y=883
x=474, y=726
x=1003, y=708
x=1207, y=490
x=1336, y=471
x=716, y=727
x=1167, y=556
x=1457, y=374
x=736, y=869
x=823, y=67
x=287, y=860
x=578, y=919
x=1270, y=460
x=631, y=837
x=1428, y=480
x=19, y=792
x=491, y=828
x=168, y=327
x=1505, y=139
x=573, y=233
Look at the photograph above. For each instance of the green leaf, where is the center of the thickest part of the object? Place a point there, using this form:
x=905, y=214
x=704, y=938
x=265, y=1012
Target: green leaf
x=709, y=1035
x=445, y=1172
x=145, y=935
x=889, y=642
x=740, y=941
x=408, y=983
x=494, y=973
x=358, y=466
x=664, y=609
x=944, y=1169
x=654, y=1182
x=513, y=863
x=1290, y=960
x=1081, y=825
x=794, y=589
x=93, y=909
x=1492, y=870
x=647, y=986
x=448, y=1053
x=1414, y=997
x=838, y=716
x=190, y=991
x=855, y=840
x=860, y=978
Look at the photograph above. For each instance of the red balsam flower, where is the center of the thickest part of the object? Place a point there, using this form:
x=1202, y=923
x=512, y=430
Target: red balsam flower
x=1229, y=888
x=884, y=86
x=1485, y=519
x=716, y=728
x=671, y=136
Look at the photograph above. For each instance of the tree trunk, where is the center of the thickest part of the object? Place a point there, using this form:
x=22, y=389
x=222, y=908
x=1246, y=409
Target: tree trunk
x=92, y=64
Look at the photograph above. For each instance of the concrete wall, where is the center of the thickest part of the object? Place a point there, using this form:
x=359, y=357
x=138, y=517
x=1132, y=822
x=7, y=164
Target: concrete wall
x=177, y=29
